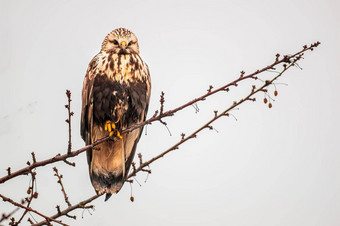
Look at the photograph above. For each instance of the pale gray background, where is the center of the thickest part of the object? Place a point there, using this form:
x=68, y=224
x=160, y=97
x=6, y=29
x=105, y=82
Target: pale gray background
x=276, y=166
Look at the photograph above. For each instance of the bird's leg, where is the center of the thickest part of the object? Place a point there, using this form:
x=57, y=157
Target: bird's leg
x=111, y=128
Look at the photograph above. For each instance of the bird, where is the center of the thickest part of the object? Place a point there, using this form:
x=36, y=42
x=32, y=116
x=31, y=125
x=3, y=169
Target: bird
x=115, y=96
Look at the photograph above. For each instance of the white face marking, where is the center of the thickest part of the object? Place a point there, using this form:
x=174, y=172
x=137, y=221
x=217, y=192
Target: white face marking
x=121, y=41
x=124, y=67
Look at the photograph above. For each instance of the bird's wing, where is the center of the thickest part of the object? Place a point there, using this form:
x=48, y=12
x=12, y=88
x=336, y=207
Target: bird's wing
x=87, y=106
x=140, y=97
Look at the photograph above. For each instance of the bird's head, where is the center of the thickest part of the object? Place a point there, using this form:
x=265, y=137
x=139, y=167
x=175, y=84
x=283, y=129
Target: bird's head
x=121, y=41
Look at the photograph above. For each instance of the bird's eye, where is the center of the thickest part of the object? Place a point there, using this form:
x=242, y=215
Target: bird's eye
x=115, y=42
x=130, y=43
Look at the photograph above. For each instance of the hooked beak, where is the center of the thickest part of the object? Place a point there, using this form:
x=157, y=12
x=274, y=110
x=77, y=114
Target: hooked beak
x=123, y=44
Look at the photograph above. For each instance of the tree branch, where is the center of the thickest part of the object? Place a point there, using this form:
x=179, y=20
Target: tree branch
x=48, y=219
x=217, y=116
x=158, y=117
x=80, y=205
x=70, y=114
x=287, y=61
x=32, y=193
x=61, y=185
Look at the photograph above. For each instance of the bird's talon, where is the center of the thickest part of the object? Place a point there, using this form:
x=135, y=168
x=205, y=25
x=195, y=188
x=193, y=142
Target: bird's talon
x=118, y=135
x=110, y=127
x=107, y=126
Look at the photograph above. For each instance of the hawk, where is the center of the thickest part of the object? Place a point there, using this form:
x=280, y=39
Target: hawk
x=115, y=96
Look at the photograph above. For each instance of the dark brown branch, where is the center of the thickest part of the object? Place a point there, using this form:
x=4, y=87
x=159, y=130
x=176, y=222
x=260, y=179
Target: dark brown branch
x=61, y=185
x=69, y=163
x=80, y=205
x=30, y=221
x=33, y=157
x=31, y=192
x=70, y=114
x=140, y=158
x=9, y=171
x=162, y=100
x=67, y=215
x=7, y=216
x=57, y=158
x=48, y=219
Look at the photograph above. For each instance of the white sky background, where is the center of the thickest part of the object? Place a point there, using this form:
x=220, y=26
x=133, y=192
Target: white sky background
x=276, y=166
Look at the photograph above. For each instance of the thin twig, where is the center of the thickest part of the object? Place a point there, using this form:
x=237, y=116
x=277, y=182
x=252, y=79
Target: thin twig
x=7, y=216
x=80, y=205
x=70, y=114
x=32, y=193
x=62, y=186
x=57, y=158
x=5, y=199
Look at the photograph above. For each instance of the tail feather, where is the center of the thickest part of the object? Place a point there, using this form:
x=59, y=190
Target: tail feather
x=107, y=165
x=107, y=184
x=107, y=196
x=110, y=164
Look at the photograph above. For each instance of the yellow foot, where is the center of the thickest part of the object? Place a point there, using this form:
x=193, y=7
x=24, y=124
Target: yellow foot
x=111, y=128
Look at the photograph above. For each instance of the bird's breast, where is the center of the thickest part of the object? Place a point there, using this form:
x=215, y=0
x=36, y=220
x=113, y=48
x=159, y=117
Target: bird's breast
x=125, y=68
x=120, y=89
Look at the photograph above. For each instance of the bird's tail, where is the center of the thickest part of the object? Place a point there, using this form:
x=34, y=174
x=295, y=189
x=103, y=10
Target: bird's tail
x=107, y=168
x=107, y=196
x=109, y=185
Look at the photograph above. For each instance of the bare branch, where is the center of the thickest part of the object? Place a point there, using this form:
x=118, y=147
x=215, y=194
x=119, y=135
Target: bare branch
x=286, y=61
x=9, y=171
x=7, y=216
x=223, y=88
x=80, y=205
x=61, y=184
x=48, y=219
x=68, y=121
x=33, y=194
x=208, y=124
x=57, y=158
x=162, y=100
x=156, y=116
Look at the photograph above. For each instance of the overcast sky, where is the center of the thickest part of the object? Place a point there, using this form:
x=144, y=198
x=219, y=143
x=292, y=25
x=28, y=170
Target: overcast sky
x=278, y=166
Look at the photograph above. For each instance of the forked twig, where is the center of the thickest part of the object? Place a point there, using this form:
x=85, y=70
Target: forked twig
x=48, y=219
x=61, y=185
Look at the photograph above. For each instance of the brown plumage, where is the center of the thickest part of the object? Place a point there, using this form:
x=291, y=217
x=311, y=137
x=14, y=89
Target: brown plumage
x=116, y=90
